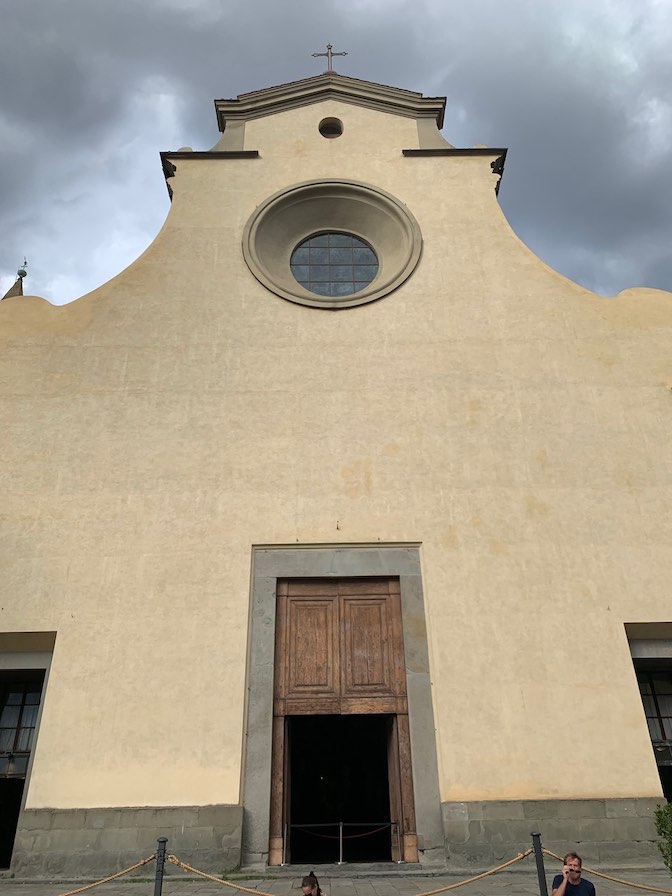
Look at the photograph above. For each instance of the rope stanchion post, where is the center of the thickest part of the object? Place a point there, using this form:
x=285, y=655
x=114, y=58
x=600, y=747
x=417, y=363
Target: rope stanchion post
x=340, y=843
x=160, y=864
x=539, y=859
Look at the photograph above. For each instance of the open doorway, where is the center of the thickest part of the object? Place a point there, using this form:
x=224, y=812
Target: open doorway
x=20, y=694
x=339, y=774
x=11, y=794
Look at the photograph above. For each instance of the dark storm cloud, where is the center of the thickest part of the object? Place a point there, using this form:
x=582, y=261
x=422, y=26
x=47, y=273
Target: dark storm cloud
x=92, y=91
x=571, y=89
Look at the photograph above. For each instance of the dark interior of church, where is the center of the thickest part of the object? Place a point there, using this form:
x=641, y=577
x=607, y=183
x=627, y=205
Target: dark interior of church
x=11, y=791
x=339, y=774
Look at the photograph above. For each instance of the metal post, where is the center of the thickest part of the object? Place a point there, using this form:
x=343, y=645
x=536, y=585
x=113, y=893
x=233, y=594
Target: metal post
x=284, y=845
x=400, y=860
x=340, y=843
x=160, y=862
x=539, y=859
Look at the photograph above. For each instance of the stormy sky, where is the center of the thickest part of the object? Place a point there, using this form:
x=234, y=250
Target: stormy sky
x=91, y=91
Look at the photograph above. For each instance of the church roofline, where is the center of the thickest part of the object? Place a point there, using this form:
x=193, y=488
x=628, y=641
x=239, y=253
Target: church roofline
x=329, y=85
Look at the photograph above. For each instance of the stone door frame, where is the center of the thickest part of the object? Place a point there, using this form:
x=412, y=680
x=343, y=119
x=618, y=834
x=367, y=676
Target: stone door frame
x=270, y=563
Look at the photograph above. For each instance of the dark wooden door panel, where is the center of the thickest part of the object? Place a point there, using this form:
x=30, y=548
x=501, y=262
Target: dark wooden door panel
x=338, y=642
x=312, y=660
x=366, y=660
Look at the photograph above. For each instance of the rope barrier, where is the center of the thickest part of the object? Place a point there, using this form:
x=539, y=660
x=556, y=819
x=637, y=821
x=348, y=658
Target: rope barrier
x=471, y=880
x=383, y=827
x=616, y=880
x=227, y=883
x=336, y=836
x=106, y=880
x=254, y=892
x=217, y=880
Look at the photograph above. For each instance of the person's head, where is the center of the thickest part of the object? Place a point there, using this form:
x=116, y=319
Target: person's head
x=310, y=886
x=572, y=861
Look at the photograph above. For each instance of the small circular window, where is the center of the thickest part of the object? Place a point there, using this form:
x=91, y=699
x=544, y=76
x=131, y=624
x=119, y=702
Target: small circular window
x=334, y=264
x=330, y=128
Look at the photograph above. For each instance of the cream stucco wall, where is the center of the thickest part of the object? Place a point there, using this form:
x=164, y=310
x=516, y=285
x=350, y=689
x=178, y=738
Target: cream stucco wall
x=515, y=425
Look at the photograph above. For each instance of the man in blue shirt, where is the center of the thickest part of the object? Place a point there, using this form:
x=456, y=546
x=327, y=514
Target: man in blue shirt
x=570, y=882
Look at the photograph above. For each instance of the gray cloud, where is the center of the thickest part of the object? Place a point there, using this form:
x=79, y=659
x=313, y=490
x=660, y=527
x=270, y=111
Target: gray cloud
x=93, y=91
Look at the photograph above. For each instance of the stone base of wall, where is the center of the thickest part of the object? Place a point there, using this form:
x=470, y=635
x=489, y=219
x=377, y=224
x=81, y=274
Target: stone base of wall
x=610, y=832
x=92, y=843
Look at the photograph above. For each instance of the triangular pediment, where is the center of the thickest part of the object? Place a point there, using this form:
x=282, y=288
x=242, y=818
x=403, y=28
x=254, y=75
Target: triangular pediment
x=329, y=85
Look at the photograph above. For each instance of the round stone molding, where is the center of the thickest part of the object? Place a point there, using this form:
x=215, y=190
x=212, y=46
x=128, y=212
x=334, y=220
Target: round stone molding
x=289, y=217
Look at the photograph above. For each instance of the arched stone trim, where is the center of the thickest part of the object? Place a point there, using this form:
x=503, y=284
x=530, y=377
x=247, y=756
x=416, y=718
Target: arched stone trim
x=278, y=225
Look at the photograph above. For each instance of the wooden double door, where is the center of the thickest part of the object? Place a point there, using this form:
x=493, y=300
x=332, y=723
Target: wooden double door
x=340, y=673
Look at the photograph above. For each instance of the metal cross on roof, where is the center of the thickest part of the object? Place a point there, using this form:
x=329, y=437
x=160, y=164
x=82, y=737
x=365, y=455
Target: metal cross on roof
x=330, y=55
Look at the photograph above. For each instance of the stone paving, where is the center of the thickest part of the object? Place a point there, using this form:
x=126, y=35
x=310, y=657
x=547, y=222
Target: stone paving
x=351, y=881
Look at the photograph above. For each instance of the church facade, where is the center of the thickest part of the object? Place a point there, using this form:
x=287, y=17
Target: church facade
x=337, y=526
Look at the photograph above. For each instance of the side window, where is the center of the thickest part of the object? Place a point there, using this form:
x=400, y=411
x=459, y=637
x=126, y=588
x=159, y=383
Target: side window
x=655, y=687
x=19, y=705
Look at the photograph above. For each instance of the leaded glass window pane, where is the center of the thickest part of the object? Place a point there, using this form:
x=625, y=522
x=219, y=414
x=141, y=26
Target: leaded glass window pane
x=301, y=256
x=364, y=256
x=10, y=716
x=654, y=728
x=318, y=272
x=19, y=707
x=341, y=256
x=341, y=272
x=656, y=691
x=340, y=239
x=300, y=271
x=24, y=739
x=334, y=264
x=649, y=705
x=366, y=272
x=665, y=704
x=29, y=717
x=344, y=289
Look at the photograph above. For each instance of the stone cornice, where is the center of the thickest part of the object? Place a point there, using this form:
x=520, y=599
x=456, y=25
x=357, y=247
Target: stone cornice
x=169, y=168
x=330, y=85
x=455, y=151
x=497, y=163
